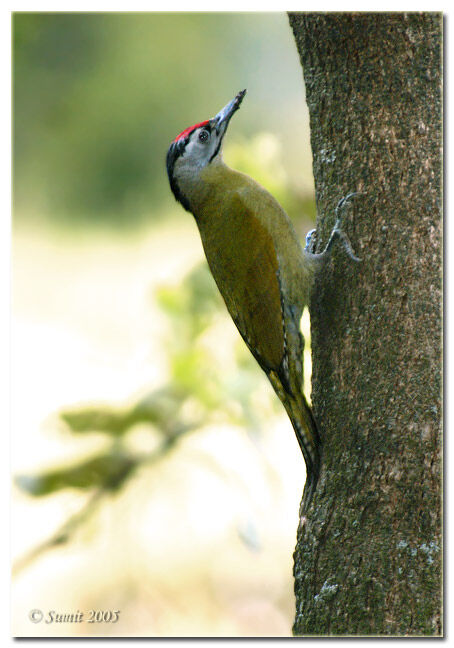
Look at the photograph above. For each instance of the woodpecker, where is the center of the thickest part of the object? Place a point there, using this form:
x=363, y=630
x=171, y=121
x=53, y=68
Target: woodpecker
x=258, y=264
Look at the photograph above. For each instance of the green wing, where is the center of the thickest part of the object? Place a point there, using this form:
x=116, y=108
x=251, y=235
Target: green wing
x=246, y=271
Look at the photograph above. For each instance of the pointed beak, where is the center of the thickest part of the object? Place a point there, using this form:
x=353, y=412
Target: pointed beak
x=221, y=121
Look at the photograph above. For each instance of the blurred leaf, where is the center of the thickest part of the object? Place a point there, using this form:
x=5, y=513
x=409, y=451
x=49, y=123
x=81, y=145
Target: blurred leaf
x=193, y=371
x=108, y=471
x=159, y=408
x=204, y=296
x=95, y=419
x=171, y=300
x=192, y=305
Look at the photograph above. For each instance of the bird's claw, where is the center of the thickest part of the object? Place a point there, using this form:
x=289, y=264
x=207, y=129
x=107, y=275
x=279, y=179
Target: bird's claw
x=344, y=200
x=337, y=231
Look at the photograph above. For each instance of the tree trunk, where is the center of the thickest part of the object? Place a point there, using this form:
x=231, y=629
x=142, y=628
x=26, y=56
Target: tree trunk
x=368, y=556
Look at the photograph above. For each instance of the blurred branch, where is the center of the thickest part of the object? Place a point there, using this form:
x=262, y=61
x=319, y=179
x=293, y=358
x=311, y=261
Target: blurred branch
x=195, y=390
x=160, y=408
x=62, y=535
x=67, y=530
x=107, y=471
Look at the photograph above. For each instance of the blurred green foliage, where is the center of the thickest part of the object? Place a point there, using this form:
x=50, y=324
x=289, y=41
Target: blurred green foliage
x=107, y=471
x=98, y=98
x=194, y=375
x=194, y=378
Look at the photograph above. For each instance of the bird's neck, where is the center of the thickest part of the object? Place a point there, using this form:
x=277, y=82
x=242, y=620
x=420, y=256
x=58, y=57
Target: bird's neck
x=204, y=188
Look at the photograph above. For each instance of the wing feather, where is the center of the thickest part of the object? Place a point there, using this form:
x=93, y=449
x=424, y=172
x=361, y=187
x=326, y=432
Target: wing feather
x=246, y=272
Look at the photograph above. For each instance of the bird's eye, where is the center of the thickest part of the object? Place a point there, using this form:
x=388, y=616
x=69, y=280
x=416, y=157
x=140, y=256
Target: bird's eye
x=204, y=136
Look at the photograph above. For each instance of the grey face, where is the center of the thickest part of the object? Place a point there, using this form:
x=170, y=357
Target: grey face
x=204, y=143
x=197, y=147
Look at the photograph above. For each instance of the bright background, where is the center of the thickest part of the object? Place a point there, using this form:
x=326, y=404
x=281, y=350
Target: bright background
x=155, y=471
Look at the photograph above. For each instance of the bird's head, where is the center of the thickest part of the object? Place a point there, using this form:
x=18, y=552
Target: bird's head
x=196, y=147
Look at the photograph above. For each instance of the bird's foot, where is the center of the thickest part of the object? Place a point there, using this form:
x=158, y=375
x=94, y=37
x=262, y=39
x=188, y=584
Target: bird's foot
x=337, y=231
x=311, y=241
x=343, y=238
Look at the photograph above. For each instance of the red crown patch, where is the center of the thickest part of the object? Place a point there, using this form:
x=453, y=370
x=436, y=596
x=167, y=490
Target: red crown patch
x=188, y=131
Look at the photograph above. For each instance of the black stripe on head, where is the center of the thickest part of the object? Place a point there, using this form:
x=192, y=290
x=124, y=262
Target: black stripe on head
x=216, y=151
x=175, y=150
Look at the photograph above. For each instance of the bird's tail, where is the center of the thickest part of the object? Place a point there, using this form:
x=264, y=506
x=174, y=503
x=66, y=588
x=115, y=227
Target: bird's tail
x=308, y=437
x=303, y=423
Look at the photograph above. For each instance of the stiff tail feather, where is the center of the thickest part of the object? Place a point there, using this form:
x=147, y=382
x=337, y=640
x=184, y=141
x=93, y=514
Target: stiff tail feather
x=308, y=438
x=303, y=423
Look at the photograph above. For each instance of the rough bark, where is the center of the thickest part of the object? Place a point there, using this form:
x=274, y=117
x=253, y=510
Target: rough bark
x=368, y=556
